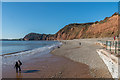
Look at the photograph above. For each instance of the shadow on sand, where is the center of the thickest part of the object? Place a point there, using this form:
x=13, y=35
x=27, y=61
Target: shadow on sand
x=29, y=71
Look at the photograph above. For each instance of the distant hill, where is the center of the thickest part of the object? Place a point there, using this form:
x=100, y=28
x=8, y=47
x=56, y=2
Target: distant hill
x=104, y=28
x=36, y=36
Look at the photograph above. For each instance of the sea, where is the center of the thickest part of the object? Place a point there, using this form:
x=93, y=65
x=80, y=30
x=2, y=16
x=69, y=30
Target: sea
x=12, y=51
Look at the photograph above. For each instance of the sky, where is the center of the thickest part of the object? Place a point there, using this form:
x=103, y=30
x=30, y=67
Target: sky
x=60, y=0
x=21, y=18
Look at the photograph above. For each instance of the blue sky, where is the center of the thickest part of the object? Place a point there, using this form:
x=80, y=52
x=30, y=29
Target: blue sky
x=60, y=0
x=21, y=18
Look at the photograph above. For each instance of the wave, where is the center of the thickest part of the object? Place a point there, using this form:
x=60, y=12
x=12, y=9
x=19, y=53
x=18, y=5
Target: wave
x=33, y=51
x=11, y=58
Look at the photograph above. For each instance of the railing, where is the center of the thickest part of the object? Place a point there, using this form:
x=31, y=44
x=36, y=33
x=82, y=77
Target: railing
x=113, y=46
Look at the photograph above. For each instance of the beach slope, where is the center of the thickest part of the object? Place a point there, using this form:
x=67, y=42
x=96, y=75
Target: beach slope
x=84, y=51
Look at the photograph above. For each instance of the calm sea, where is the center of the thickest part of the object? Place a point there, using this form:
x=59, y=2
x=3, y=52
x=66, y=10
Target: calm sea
x=25, y=50
x=17, y=46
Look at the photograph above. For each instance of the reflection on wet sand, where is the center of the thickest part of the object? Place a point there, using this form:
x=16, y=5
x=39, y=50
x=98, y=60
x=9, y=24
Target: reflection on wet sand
x=48, y=66
x=19, y=76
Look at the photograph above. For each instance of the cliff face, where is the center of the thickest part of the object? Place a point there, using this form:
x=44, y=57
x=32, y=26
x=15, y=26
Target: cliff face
x=72, y=31
x=105, y=28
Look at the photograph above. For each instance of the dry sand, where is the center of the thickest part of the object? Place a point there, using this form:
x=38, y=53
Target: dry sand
x=84, y=53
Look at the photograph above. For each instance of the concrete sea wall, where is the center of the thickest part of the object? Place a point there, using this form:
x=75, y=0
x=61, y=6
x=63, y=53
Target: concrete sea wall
x=111, y=62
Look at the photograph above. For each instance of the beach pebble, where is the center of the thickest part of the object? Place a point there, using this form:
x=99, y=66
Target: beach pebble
x=52, y=76
x=60, y=72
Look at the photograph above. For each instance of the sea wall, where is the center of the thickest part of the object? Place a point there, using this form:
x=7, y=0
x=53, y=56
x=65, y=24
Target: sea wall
x=111, y=62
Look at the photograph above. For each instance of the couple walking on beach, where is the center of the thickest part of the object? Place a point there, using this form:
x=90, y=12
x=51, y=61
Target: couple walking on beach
x=17, y=66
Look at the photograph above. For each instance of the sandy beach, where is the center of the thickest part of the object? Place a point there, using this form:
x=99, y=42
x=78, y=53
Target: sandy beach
x=48, y=66
x=85, y=53
x=71, y=60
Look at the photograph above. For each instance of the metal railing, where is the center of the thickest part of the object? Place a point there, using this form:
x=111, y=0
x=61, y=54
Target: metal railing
x=113, y=46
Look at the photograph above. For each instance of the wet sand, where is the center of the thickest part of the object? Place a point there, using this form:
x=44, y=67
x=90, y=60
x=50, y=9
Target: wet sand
x=49, y=66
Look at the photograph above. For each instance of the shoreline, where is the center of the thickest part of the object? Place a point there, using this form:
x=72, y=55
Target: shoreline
x=48, y=66
x=17, y=52
x=71, y=50
x=70, y=60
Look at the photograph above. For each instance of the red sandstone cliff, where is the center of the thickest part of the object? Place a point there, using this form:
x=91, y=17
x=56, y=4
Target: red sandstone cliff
x=105, y=28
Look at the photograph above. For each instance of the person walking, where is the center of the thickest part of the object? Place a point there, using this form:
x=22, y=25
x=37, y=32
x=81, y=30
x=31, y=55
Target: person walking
x=114, y=37
x=17, y=66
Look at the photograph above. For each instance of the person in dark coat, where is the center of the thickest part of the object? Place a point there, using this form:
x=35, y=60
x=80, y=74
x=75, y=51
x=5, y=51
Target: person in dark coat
x=17, y=66
x=79, y=43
